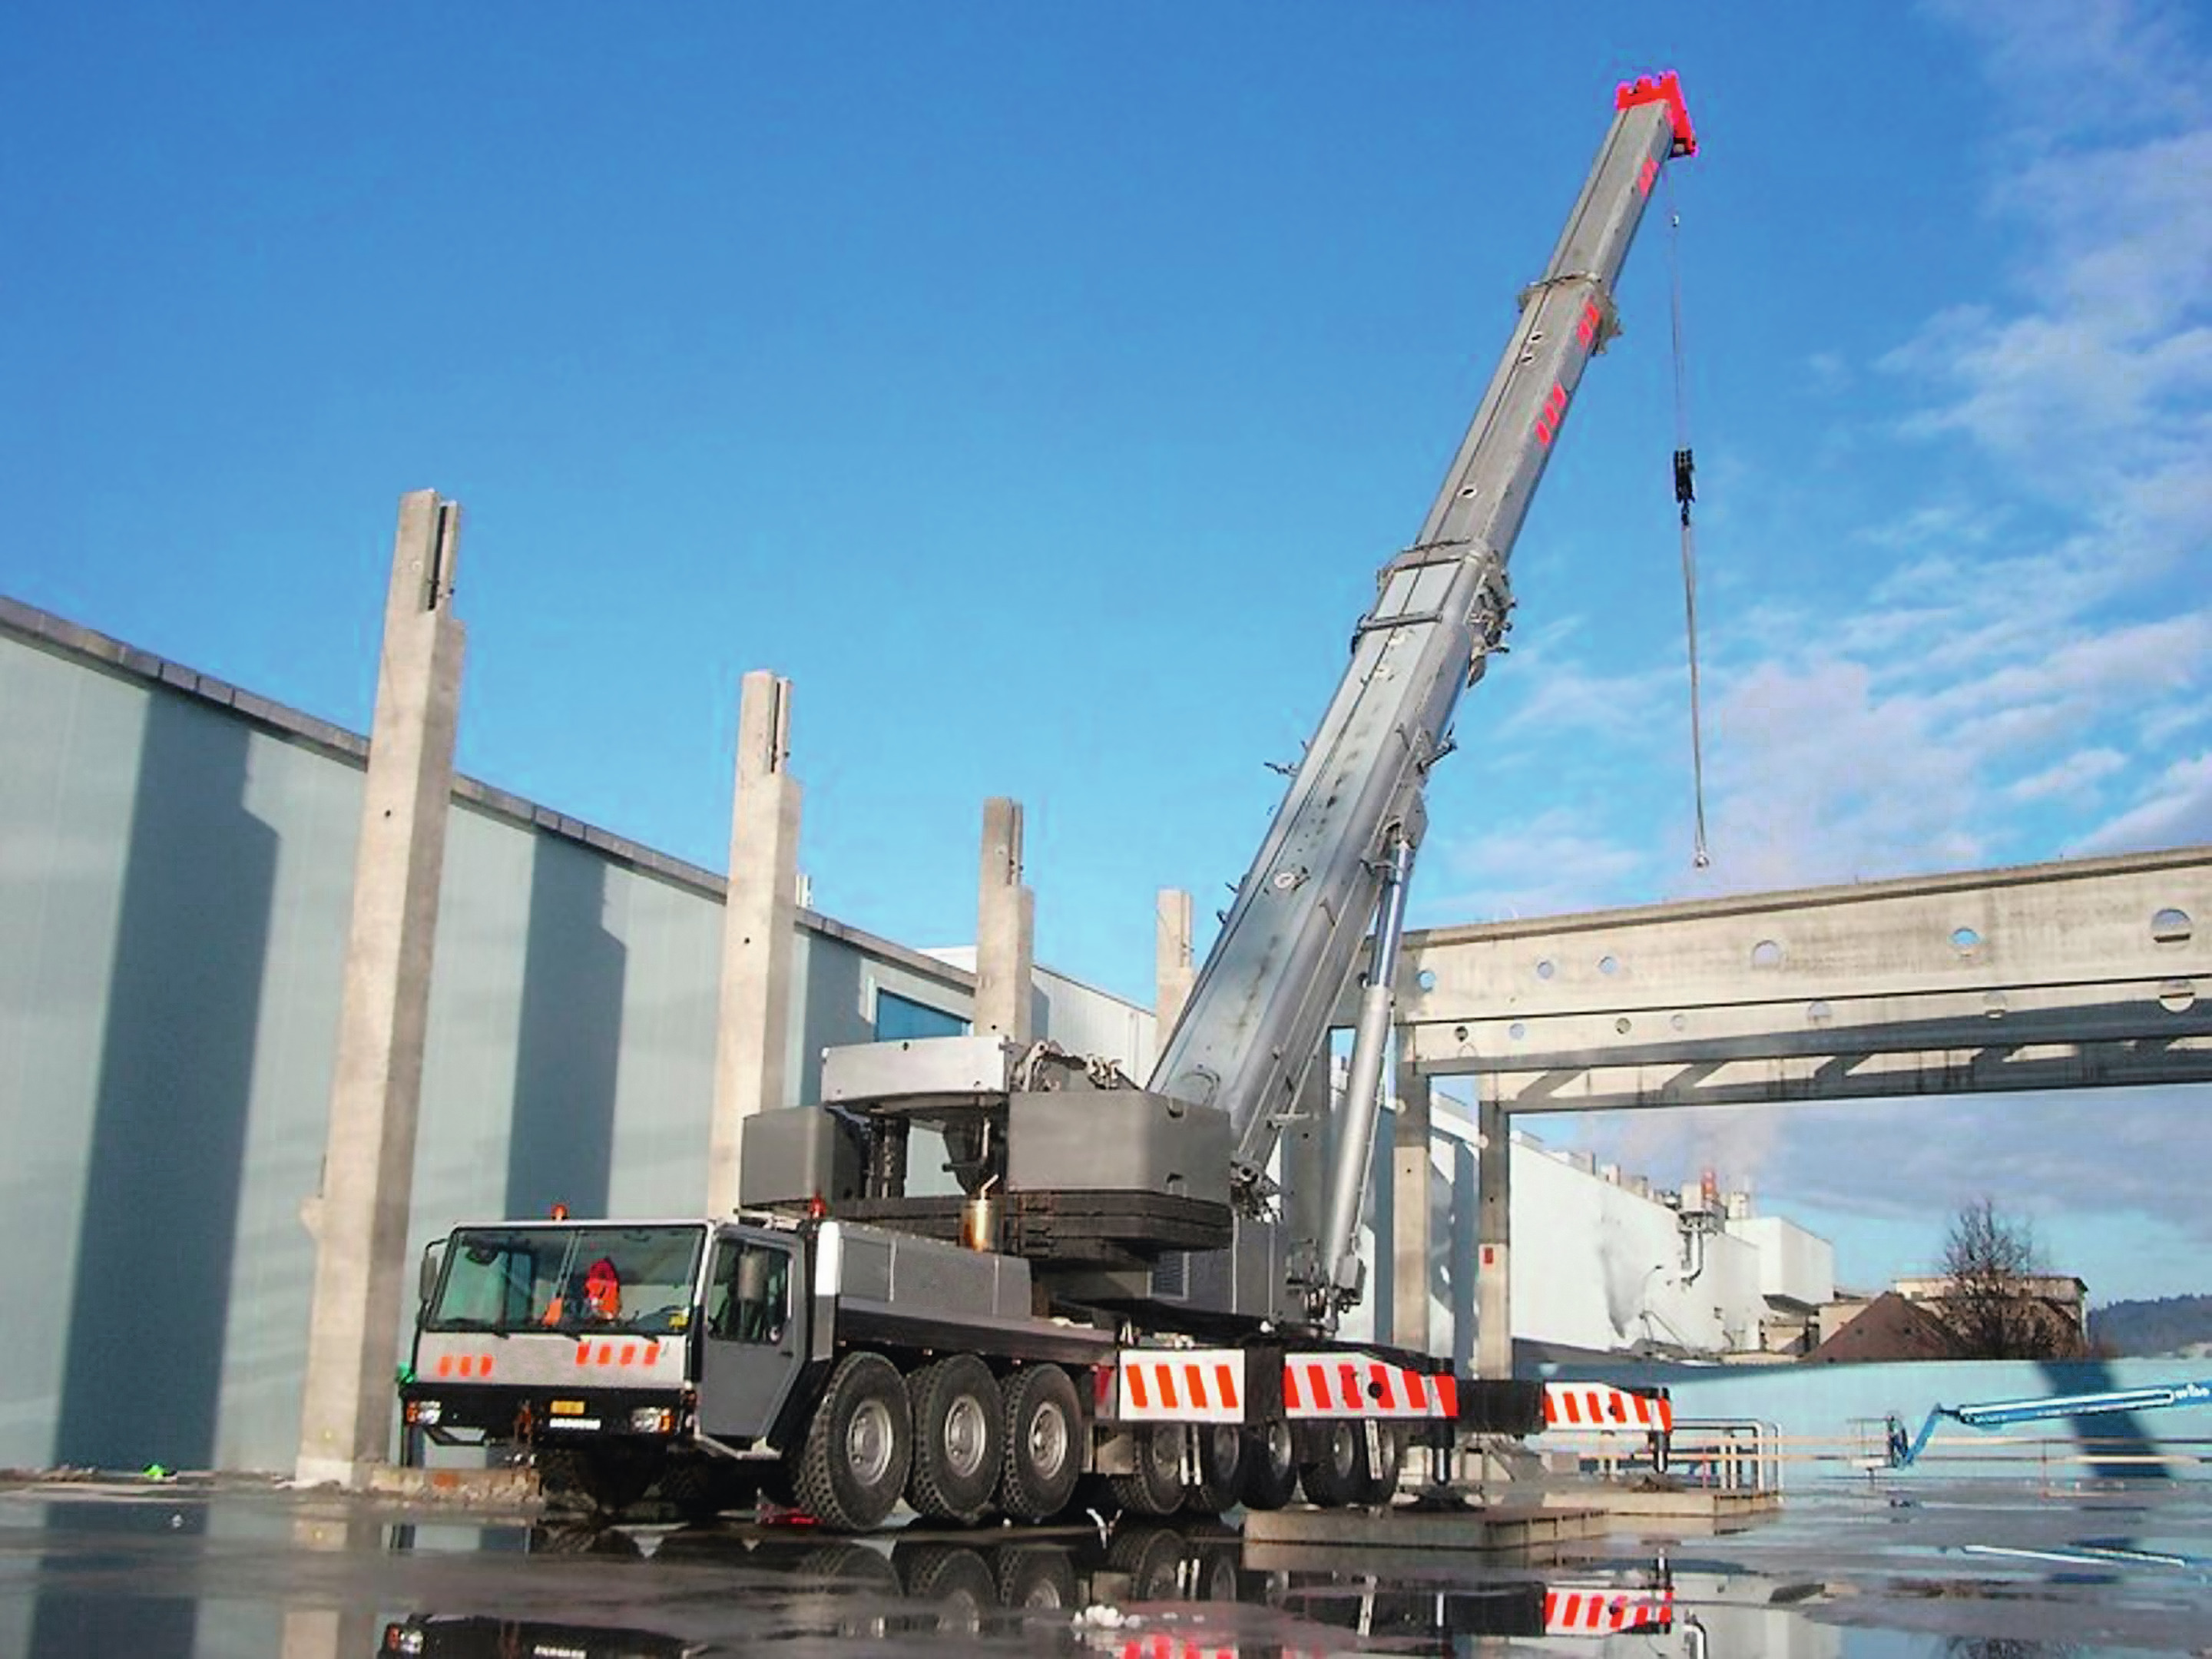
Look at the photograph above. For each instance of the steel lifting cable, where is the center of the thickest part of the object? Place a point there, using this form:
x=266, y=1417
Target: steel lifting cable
x=1686, y=491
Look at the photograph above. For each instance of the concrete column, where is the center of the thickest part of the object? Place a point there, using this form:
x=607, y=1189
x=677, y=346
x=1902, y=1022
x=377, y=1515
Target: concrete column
x=760, y=919
x=1494, y=1235
x=359, y=1220
x=314, y=1632
x=1409, y=1170
x=1173, y=973
x=1464, y=1201
x=1006, y=926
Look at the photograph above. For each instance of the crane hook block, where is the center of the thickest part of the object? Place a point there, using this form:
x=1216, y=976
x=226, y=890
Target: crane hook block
x=1661, y=89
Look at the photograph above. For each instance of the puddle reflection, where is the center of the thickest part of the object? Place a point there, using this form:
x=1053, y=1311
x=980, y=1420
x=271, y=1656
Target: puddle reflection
x=1154, y=1591
x=1147, y=1591
x=320, y=1577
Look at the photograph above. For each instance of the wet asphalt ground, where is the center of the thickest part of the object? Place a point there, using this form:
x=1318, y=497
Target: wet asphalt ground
x=1872, y=1571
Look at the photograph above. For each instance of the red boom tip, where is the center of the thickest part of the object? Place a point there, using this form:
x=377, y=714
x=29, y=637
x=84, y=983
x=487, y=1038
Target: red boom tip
x=1661, y=89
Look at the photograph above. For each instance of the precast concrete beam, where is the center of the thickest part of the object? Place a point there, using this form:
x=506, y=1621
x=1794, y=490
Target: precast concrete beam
x=1006, y=927
x=2080, y=973
x=760, y=913
x=359, y=1220
x=1493, y=1243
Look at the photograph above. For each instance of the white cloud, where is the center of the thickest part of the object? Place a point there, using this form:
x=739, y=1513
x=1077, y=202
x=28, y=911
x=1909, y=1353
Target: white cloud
x=2032, y=619
x=2028, y=674
x=1547, y=866
x=1828, y=372
x=1919, y=1160
x=1564, y=698
x=2177, y=811
x=2083, y=770
x=2106, y=61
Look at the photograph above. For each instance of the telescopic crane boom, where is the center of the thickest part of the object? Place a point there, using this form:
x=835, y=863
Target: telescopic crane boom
x=1335, y=860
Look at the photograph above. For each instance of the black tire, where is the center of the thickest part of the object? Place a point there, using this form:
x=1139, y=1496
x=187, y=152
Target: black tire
x=1220, y=1469
x=959, y=1438
x=605, y=1478
x=1211, y=1575
x=1334, y=1469
x=860, y=1445
x=700, y=1488
x=1155, y=1488
x=1043, y=1435
x=855, y=1569
x=1271, y=1466
x=1041, y=1579
x=1383, y=1477
x=1152, y=1557
x=955, y=1582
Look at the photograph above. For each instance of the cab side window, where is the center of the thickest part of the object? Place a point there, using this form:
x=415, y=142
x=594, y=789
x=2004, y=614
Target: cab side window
x=750, y=1300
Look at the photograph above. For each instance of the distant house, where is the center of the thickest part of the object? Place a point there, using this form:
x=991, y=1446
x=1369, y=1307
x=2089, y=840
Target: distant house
x=1889, y=1328
x=2057, y=1303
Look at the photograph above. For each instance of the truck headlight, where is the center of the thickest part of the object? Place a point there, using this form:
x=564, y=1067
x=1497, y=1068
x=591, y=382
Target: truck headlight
x=652, y=1420
x=425, y=1412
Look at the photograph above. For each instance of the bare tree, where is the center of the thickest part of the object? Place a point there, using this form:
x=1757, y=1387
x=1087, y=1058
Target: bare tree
x=1990, y=1261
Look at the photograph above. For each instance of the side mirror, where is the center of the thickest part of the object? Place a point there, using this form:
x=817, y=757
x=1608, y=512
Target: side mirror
x=426, y=1280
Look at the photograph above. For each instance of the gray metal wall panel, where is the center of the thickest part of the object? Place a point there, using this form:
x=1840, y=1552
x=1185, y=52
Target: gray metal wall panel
x=175, y=882
x=69, y=747
x=167, y=1044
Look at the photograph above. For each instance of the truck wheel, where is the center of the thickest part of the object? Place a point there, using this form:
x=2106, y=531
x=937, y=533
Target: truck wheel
x=1220, y=1469
x=607, y=1478
x=1334, y=1469
x=858, y=1445
x=1155, y=1488
x=1041, y=1580
x=1043, y=1436
x=1271, y=1467
x=1382, y=1478
x=699, y=1489
x=1152, y=1557
x=959, y=1432
x=955, y=1581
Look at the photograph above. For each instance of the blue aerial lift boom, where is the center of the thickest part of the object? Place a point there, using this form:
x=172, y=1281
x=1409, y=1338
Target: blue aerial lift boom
x=2002, y=1413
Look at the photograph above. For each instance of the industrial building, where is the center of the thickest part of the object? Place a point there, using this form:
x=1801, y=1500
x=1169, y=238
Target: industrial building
x=179, y=857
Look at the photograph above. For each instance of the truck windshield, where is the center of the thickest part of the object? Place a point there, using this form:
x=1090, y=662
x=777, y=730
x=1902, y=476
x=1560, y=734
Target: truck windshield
x=582, y=1279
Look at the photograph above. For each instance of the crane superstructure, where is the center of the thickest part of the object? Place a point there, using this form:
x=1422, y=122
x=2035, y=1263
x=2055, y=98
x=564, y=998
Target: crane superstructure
x=1110, y=1290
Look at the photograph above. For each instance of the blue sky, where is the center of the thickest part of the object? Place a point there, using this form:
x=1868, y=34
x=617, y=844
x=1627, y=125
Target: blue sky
x=1040, y=386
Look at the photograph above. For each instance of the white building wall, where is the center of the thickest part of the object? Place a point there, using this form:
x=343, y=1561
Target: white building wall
x=1595, y=1264
x=1793, y=1264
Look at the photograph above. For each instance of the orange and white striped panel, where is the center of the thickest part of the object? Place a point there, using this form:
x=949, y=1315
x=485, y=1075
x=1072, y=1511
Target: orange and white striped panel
x=1601, y=1407
x=1360, y=1385
x=1161, y=1645
x=1196, y=1385
x=1601, y=1613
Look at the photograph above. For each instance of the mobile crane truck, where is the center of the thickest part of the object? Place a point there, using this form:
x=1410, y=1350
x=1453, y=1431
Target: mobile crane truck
x=1113, y=1291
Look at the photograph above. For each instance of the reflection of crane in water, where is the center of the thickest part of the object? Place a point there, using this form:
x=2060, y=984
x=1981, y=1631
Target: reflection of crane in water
x=1130, y=1592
